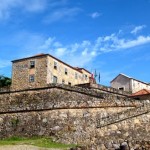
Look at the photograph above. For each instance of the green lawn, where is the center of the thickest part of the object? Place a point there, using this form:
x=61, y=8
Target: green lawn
x=36, y=141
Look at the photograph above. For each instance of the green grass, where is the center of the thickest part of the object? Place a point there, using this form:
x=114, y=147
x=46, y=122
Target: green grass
x=36, y=141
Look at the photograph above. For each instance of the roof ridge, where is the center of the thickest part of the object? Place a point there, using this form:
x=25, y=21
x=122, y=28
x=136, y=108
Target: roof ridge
x=42, y=54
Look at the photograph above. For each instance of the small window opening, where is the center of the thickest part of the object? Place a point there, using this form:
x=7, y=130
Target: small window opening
x=85, y=77
x=54, y=79
x=121, y=88
x=32, y=64
x=66, y=71
x=63, y=81
x=31, y=78
x=55, y=65
x=76, y=76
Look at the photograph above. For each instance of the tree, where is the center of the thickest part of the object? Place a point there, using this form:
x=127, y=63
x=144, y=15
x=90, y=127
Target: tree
x=4, y=81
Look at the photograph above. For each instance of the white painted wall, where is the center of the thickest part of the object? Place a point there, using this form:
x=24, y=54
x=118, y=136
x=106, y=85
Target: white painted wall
x=129, y=84
x=121, y=81
x=137, y=86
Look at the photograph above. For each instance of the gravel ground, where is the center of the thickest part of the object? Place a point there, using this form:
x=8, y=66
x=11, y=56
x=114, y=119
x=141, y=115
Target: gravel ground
x=24, y=147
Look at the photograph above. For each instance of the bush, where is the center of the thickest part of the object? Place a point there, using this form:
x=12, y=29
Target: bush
x=4, y=81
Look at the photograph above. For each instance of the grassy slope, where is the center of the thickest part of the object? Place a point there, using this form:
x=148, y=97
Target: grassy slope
x=36, y=141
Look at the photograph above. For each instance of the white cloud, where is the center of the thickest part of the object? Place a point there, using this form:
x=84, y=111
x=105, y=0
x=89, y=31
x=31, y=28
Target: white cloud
x=85, y=44
x=62, y=14
x=60, y=52
x=47, y=43
x=114, y=43
x=54, y=3
x=58, y=10
x=140, y=40
x=95, y=15
x=137, y=29
x=4, y=63
x=71, y=53
x=77, y=54
x=74, y=47
x=86, y=50
x=34, y=5
x=6, y=6
x=57, y=44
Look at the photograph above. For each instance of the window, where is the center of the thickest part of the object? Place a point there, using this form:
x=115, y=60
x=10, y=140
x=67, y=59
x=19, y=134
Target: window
x=63, y=81
x=85, y=77
x=69, y=83
x=54, y=79
x=66, y=71
x=76, y=76
x=31, y=78
x=32, y=64
x=121, y=88
x=55, y=65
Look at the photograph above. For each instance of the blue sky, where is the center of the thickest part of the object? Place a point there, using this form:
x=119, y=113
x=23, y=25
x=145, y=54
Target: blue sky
x=111, y=36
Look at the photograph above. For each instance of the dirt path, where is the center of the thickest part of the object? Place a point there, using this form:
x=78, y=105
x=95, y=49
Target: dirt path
x=24, y=147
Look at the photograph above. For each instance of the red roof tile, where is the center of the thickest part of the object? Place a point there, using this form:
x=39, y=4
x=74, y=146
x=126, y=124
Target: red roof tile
x=38, y=55
x=41, y=55
x=141, y=92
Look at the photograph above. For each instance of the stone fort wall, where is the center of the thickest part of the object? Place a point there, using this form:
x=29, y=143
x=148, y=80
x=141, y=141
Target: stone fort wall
x=74, y=115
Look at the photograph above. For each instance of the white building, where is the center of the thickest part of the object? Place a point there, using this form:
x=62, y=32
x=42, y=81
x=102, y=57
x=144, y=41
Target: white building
x=129, y=84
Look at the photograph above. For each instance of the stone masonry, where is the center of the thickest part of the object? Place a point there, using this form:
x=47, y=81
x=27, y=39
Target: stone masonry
x=72, y=115
x=21, y=72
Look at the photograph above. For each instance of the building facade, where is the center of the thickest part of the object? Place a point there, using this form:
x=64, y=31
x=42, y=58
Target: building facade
x=126, y=83
x=43, y=69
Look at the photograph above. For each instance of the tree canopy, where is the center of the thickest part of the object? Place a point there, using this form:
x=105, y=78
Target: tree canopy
x=4, y=81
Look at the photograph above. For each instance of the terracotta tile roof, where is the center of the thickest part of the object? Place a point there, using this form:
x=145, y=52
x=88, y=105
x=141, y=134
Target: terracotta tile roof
x=35, y=56
x=43, y=55
x=141, y=92
x=78, y=69
x=39, y=55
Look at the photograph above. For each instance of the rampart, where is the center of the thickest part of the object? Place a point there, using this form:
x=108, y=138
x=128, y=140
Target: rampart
x=75, y=115
x=104, y=89
x=61, y=97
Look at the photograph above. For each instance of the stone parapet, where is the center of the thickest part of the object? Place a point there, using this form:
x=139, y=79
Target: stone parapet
x=56, y=96
x=113, y=118
x=5, y=89
x=104, y=88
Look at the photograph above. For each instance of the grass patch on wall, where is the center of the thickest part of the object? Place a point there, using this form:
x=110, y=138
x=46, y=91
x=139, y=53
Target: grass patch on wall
x=35, y=141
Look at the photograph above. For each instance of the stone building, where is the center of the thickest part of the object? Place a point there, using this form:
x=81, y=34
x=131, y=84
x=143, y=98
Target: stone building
x=129, y=84
x=42, y=69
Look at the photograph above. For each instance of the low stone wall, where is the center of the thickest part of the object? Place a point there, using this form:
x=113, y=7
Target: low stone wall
x=5, y=89
x=61, y=97
x=103, y=88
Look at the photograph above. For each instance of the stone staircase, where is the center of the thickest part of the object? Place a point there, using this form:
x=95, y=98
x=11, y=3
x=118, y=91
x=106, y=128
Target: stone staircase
x=111, y=119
